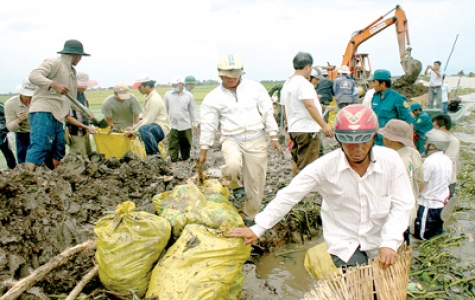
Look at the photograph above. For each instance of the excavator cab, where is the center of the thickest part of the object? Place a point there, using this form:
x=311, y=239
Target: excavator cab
x=362, y=67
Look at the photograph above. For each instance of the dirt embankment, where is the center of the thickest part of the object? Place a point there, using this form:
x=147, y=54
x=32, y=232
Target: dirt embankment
x=44, y=213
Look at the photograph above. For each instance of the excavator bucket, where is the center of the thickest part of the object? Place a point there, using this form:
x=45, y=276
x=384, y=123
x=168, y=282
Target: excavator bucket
x=412, y=67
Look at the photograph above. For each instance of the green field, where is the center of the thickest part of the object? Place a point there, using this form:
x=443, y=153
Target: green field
x=96, y=97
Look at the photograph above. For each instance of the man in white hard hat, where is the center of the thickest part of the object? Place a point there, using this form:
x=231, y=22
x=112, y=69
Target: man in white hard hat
x=77, y=124
x=55, y=78
x=122, y=109
x=181, y=108
x=244, y=111
x=17, y=116
x=155, y=124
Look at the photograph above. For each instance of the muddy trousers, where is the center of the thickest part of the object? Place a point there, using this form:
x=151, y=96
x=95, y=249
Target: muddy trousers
x=245, y=166
x=80, y=144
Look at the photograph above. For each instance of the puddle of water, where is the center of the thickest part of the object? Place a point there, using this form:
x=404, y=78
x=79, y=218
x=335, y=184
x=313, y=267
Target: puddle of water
x=288, y=276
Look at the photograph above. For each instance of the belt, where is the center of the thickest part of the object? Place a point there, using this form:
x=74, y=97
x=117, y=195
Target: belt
x=247, y=138
x=435, y=87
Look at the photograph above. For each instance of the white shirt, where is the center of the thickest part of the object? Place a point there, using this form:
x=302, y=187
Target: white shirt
x=445, y=92
x=453, y=152
x=181, y=110
x=244, y=114
x=296, y=89
x=434, y=79
x=368, y=98
x=437, y=172
x=370, y=211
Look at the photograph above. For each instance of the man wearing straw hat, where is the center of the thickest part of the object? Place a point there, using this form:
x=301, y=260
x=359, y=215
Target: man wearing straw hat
x=77, y=124
x=397, y=136
x=55, y=78
x=17, y=116
x=367, y=196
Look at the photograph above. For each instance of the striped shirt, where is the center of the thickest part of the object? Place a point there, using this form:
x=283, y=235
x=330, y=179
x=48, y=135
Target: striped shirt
x=371, y=211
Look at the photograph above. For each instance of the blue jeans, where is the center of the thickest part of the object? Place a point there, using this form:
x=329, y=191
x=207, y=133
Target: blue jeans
x=445, y=107
x=22, y=143
x=437, y=92
x=46, y=138
x=151, y=135
x=7, y=152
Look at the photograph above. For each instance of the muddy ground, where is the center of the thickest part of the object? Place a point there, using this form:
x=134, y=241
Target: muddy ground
x=42, y=214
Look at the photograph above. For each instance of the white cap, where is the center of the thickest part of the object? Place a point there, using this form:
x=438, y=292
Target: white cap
x=177, y=79
x=26, y=88
x=141, y=78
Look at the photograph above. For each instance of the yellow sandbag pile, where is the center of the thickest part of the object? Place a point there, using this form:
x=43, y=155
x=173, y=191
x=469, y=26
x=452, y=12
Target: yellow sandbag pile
x=202, y=264
x=187, y=204
x=319, y=263
x=128, y=248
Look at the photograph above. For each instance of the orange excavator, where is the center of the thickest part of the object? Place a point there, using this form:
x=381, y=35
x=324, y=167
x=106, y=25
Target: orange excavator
x=359, y=64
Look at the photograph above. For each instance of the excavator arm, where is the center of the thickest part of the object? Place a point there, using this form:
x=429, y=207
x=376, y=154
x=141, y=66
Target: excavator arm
x=411, y=67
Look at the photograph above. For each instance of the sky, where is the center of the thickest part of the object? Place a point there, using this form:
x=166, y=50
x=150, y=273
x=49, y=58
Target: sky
x=165, y=39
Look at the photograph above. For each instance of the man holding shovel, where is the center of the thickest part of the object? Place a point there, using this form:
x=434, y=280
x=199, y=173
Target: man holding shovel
x=55, y=78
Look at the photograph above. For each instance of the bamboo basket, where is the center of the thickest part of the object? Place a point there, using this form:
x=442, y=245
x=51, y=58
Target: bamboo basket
x=366, y=281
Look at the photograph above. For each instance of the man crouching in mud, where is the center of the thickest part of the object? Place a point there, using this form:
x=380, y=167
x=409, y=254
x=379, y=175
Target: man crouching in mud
x=366, y=190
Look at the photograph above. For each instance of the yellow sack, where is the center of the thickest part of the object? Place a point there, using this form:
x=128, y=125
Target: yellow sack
x=128, y=247
x=202, y=264
x=319, y=263
x=186, y=204
x=116, y=144
x=163, y=152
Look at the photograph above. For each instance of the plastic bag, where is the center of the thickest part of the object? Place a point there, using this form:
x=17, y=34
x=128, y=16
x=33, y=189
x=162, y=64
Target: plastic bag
x=186, y=204
x=202, y=264
x=319, y=263
x=128, y=248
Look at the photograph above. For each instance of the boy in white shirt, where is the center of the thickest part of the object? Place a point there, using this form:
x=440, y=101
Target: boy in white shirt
x=435, y=191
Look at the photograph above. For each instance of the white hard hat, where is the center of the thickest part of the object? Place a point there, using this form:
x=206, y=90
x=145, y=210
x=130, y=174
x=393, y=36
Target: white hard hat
x=230, y=62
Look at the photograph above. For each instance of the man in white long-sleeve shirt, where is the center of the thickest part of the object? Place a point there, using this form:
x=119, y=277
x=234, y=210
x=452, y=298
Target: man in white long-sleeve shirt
x=181, y=108
x=244, y=110
x=366, y=190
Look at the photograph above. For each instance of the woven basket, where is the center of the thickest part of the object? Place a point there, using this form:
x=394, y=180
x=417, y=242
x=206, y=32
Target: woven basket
x=363, y=282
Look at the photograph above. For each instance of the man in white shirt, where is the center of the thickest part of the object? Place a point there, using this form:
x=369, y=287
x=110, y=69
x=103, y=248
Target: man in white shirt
x=435, y=84
x=244, y=111
x=181, y=108
x=445, y=90
x=435, y=192
x=368, y=97
x=367, y=195
x=444, y=123
x=303, y=113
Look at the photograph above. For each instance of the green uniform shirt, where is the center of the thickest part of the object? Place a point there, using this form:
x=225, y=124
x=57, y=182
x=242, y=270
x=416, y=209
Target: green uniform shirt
x=392, y=106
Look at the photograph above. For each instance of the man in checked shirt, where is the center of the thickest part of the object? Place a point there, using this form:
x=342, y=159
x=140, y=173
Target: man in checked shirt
x=367, y=195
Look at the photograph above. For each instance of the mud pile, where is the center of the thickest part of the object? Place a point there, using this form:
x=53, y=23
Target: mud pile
x=44, y=213
x=409, y=90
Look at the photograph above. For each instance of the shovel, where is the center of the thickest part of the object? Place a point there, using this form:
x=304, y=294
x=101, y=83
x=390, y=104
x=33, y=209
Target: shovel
x=448, y=208
x=80, y=107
